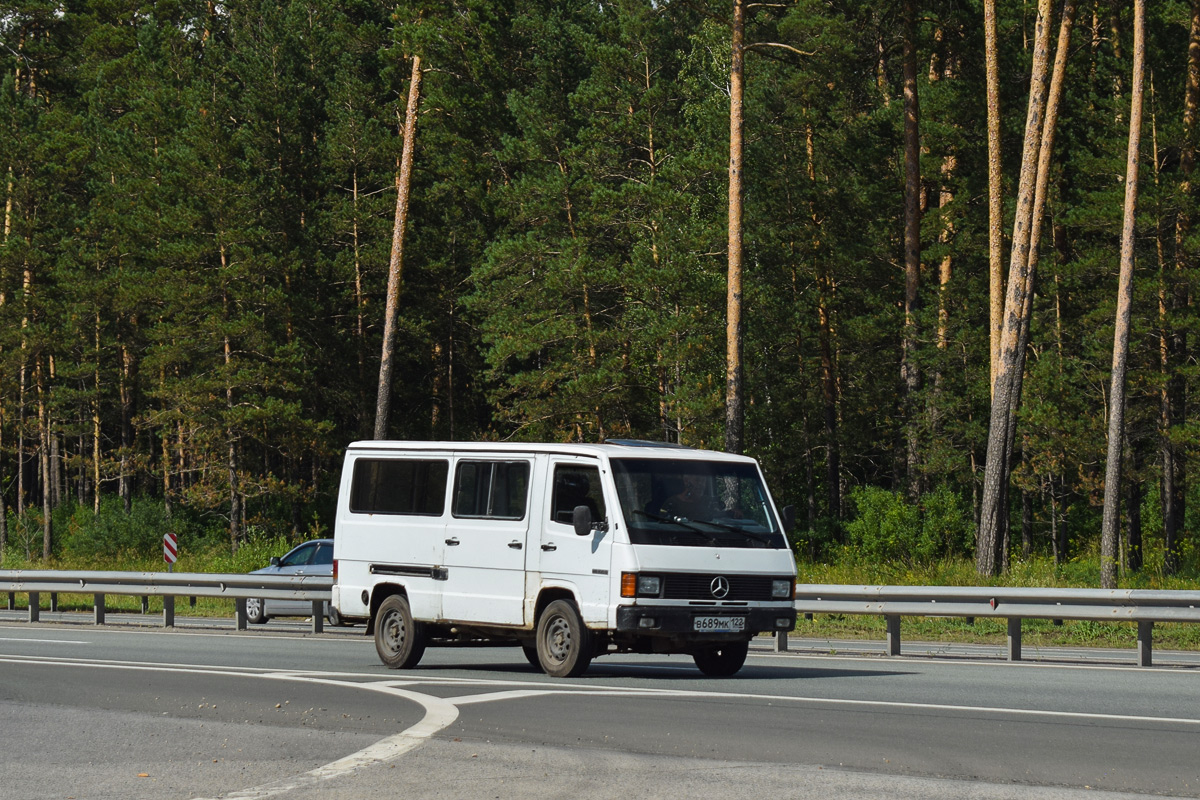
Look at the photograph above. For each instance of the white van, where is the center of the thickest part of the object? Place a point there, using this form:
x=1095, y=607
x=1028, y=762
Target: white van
x=570, y=551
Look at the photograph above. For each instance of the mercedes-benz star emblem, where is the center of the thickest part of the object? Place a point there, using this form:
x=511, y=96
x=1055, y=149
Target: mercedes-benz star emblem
x=719, y=587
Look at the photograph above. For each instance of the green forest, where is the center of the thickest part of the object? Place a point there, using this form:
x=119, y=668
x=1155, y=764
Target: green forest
x=200, y=220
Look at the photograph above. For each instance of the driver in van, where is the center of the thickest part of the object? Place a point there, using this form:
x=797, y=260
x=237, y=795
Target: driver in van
x=691, y=500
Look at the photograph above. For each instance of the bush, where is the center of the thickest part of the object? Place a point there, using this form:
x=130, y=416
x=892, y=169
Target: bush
x=946, y=527
x=82, y=532
x=85, y=532
x=885, y=528
x=889, y=528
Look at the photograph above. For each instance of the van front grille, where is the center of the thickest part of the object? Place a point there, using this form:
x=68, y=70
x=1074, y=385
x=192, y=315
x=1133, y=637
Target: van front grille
x=690, y=586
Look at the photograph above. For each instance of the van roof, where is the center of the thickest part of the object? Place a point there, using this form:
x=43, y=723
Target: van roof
x=613, y=448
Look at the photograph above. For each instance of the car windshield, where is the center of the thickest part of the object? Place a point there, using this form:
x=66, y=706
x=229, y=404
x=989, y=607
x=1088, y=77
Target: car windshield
x=690, y=503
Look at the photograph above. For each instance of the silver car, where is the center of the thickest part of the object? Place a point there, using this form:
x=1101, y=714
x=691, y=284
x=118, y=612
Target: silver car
x=310, y=558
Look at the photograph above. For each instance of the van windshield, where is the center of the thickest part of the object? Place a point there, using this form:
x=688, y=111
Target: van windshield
x=695, y=503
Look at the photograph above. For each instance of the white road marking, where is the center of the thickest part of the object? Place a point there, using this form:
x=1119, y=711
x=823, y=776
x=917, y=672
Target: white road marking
x=439, y=714
x=41, y=641
x=515, y=690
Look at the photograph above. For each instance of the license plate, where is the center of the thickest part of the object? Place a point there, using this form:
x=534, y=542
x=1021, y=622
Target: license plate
x=719, y=624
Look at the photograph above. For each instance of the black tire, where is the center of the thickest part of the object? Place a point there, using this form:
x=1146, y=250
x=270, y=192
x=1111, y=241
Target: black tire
x=564, y=644
x=399, y=640
x=256, y=610
x=721, y=660
x=531, y=655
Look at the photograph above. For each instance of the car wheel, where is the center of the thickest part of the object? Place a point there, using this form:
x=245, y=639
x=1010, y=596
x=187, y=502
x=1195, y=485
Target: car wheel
x=399, y=639
x=256, y=610
x=721, y=660
x=564, y=644
x=335, y=619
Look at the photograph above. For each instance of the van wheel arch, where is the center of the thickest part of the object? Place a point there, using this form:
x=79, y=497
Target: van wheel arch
x=380, y=593
x=547, y=597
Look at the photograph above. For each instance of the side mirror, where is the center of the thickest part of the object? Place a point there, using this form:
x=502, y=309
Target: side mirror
x=581, y=520
x=274, y=561
x=789, y=519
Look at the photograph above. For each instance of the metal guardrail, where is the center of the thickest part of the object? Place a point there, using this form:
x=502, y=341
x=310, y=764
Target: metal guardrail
x=1145, y=607
x=168, y=585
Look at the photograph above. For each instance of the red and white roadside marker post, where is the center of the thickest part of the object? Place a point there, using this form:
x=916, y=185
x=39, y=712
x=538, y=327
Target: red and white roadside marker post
x=170, y=555
x=170, y=550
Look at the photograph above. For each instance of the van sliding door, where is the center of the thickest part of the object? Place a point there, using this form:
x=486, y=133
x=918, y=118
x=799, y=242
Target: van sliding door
x=486, y=541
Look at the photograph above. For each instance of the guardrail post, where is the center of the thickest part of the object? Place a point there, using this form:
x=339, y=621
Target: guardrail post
x=35, y=606
x=893, y=634
x=12, y=601
x=145, y=604
x=318, y=621
x=54, y=601
x=1014, y=638
x=781, y=642
x=98, y=607
x=1145, y=645
x=168, y=611
x=240, y=621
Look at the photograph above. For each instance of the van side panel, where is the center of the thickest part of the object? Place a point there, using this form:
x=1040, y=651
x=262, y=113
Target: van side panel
x=404, y=549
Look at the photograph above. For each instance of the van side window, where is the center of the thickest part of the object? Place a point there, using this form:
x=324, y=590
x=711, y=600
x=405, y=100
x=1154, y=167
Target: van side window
x=396, y=486
x=576, y=486
x=491, y=489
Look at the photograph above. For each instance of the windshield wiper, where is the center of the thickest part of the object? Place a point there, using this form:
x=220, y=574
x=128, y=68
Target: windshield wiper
x=735, y=529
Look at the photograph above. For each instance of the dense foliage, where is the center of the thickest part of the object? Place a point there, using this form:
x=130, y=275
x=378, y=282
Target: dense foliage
x=198, y=217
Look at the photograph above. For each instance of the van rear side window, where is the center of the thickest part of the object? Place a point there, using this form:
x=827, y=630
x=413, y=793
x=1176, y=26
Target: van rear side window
x=395, y=486
x=491, y=489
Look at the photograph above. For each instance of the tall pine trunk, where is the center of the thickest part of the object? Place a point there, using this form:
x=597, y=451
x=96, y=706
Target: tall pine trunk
x=1116, y=420
x=1005, y=391
x=1040, y=194
x=383, y=397
x=995, y=186
x=734, y=399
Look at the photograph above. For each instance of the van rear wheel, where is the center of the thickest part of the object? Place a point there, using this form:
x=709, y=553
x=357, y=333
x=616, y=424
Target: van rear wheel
x=399, y=639
x=564, y=644
x=721, y=660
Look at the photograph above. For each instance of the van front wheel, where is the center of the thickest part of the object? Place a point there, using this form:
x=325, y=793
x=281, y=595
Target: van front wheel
x=564, y=644
x=721, y=660
x=399, y=640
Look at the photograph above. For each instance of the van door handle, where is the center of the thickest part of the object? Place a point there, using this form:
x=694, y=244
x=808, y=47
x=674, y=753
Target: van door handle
x=514, y=544
x=452, y=541
x=549, y=548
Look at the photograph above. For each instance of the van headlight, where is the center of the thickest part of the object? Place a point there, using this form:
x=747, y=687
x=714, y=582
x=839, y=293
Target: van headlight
x=783, y=590
x=649, y=585
x=635, y=585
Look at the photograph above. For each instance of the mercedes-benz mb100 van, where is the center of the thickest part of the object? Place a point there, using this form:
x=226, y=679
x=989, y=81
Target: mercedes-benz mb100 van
x=570, y=551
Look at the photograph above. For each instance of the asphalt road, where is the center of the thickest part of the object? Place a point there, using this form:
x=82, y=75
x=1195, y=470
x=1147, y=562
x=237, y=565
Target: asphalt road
x=129, y=713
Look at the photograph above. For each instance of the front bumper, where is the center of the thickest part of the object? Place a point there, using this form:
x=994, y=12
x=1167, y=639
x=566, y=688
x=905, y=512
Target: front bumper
x=681, y=620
